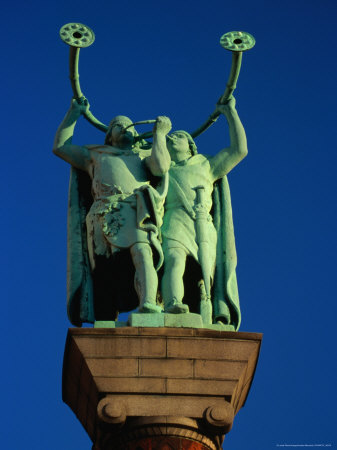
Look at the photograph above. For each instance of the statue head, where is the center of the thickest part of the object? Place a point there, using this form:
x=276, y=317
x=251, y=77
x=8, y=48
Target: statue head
x=117, y=135
x=181, y=145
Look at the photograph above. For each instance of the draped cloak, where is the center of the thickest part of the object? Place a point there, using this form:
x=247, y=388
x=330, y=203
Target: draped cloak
x=179, y=230
x=149, y=212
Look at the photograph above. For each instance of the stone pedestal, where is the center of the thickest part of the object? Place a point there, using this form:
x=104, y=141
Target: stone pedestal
x=158, y=388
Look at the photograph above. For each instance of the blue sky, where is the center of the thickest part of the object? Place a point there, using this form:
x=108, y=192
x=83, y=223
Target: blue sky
x=164, y=58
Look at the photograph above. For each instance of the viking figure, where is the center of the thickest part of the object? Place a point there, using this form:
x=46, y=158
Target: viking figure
x=199, y=248
x=116, y=198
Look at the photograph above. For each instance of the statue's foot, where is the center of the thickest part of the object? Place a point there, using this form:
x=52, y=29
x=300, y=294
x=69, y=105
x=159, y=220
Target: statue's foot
x=177, y=308
x=148, y=307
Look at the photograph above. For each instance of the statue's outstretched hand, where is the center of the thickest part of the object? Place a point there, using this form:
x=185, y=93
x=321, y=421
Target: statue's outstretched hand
x=163, y=125
x=79, y=105
x=228, y=107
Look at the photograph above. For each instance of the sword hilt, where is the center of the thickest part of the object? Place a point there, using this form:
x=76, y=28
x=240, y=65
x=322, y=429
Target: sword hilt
x=200, y=192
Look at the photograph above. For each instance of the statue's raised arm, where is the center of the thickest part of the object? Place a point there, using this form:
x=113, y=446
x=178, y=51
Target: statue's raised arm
x=224, y=161
x=76, y=155
x=159, y=160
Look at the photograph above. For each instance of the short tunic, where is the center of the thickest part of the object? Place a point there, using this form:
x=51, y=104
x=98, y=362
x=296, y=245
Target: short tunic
x=179, y=228
x=113, y=220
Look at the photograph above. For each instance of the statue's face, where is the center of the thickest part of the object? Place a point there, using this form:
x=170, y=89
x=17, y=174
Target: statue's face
x=178, y=146
x=118, y=135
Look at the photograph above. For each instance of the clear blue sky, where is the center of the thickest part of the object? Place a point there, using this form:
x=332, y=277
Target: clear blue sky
x=163, y=58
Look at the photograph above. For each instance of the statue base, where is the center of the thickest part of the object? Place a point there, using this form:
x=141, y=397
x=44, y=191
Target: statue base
x=186, y=320
x=143, y=387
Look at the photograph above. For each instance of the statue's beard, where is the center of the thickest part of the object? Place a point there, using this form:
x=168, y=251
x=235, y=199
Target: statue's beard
x=123, y=140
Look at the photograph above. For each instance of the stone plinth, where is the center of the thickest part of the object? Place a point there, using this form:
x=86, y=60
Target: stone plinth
x=147, y=388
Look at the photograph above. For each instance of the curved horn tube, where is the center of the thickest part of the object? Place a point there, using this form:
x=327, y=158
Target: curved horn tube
x=236, y=42
x=74, y=55
x=230, y=87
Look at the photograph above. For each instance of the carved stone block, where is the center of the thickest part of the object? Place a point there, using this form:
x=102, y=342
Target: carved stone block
x=125, y=383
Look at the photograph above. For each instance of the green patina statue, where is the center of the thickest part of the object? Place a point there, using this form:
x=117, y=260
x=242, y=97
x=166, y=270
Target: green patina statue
x=117, y=194
x=189, y=231
x=136, y=207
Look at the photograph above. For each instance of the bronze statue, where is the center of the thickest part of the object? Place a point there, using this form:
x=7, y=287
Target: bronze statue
x=188, y=229
x=116, y=210
x=119, y=189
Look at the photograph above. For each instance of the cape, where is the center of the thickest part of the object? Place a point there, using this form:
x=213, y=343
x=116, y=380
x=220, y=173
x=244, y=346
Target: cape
x=80, y=291
x=226, y=302
x=80, y=301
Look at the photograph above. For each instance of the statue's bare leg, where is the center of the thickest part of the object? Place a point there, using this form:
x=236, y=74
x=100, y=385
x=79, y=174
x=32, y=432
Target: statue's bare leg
x=146, y=279
x=172, y=282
